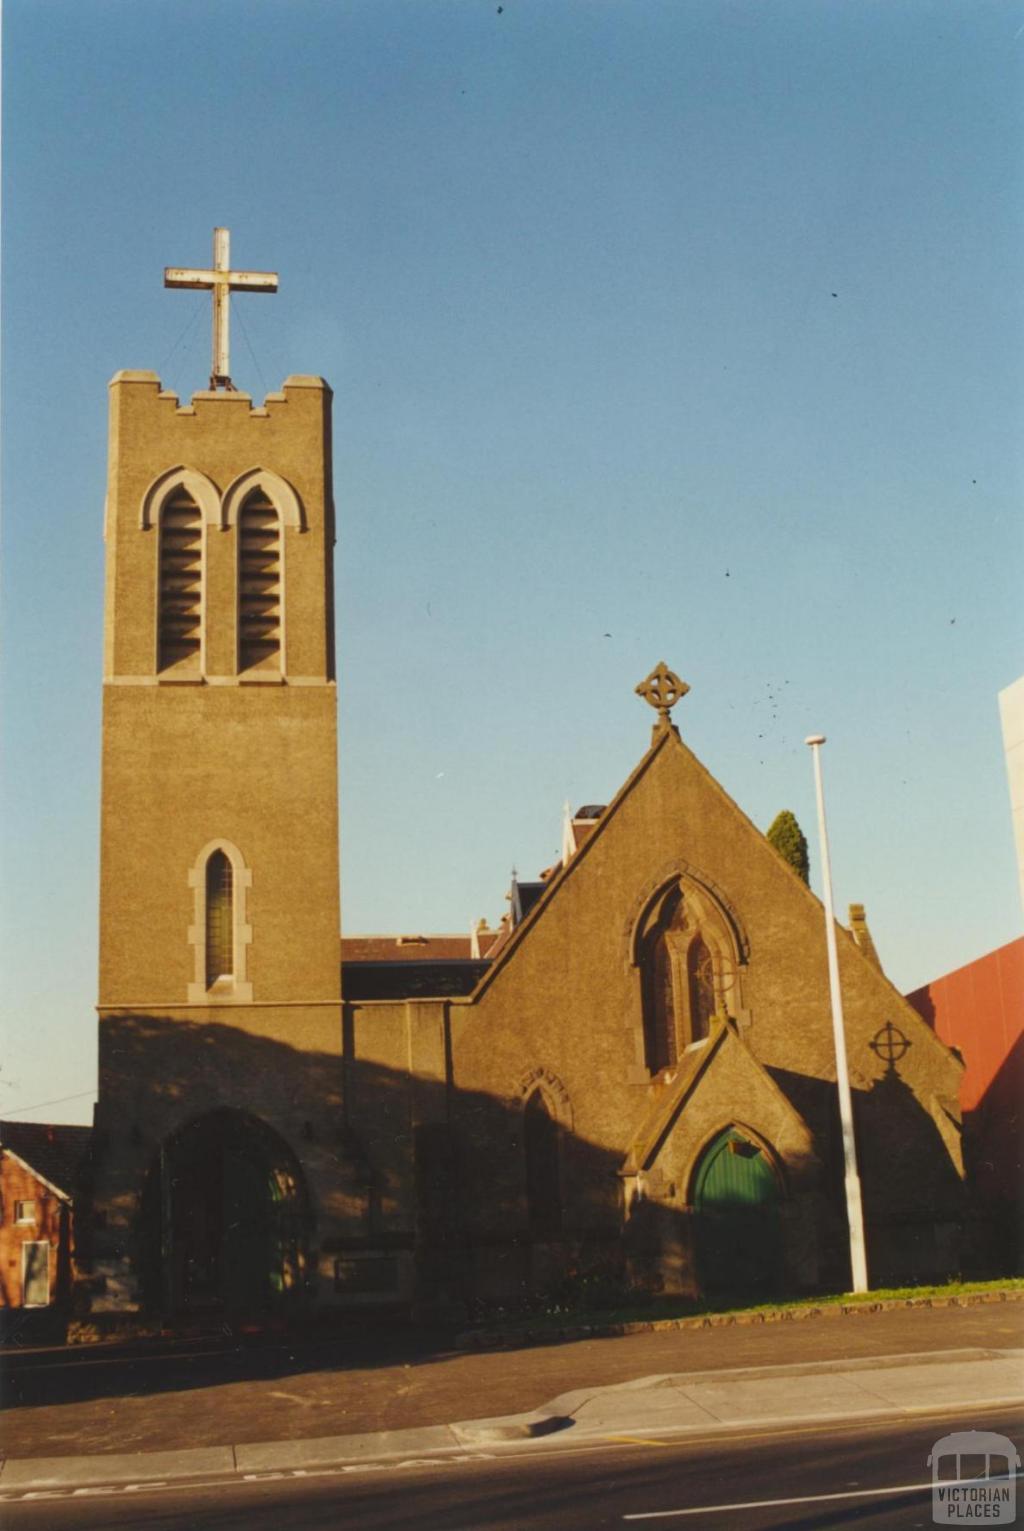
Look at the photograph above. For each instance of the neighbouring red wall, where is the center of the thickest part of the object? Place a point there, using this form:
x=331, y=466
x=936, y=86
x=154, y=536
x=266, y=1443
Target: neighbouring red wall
x=51, y=1226
x=978, y=1009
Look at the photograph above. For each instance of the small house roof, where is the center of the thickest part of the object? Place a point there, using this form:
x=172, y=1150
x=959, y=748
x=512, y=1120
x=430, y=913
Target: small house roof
x=53, y=1152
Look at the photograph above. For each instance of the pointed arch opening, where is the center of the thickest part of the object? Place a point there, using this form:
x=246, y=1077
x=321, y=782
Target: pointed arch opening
x=220, y=923
x=259, y=505
x=225, y=1222
x=200, y=488
x=542, y=1146
x=179, y=583
x=180, y=504
x=700, y=983
x=736, y=1196
x=276, y=489
x=260, y=591
x=659, y=959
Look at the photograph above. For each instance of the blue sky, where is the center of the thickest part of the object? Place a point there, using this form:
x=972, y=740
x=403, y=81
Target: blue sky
x=657, y=331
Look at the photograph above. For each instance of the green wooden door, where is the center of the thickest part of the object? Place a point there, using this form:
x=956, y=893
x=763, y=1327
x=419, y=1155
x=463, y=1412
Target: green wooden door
x=736, y=1197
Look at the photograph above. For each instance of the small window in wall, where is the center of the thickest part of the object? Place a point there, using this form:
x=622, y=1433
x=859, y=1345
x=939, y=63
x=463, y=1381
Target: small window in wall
x=543, y=1167
x=25, y=1212
x=259, y=584
x=179, y=623
x=220, y=919
x=220, y=933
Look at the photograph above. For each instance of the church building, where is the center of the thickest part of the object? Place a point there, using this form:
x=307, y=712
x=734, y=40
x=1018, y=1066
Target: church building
x=631, y=1081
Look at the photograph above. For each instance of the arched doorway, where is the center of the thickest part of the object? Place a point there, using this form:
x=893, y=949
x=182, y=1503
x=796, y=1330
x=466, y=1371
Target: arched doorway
x=543, y=1167
x=737, y=1224
x=225, y=1221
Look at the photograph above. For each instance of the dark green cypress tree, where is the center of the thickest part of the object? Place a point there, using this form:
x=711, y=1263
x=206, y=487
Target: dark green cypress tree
x=789, y=840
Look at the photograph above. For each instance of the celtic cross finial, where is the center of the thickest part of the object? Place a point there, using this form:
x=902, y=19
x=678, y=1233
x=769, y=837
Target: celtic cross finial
x=890, y=1044
x=662, y=689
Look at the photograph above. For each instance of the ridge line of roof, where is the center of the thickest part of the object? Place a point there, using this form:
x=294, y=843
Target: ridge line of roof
x=411, y=962
x=35, y=1173
x=410, y=938
x=645, y=1145
x=662, y=1118
x=807, y=890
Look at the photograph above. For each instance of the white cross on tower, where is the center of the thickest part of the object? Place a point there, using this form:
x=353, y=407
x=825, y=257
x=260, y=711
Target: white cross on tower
x=222, y=282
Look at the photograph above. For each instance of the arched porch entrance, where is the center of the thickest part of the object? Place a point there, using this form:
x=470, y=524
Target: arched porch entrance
x=225, y=1216
x=738, y=1228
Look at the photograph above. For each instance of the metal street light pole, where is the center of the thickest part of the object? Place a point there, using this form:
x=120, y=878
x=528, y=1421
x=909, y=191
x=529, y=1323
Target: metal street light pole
x=854, y=1207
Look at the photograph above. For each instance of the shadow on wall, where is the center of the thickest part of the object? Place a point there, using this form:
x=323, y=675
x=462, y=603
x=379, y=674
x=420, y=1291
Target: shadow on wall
x=234, y=1173
x=912, y=1194
x=914, y=1201
x=994, y=1155
x=378, y=1173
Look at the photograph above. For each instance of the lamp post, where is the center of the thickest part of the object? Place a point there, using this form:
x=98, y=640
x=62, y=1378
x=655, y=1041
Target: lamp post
x=854, y=1207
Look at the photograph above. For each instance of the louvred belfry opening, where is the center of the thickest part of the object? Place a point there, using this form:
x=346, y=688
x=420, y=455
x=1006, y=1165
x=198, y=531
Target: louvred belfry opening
x=259, y=584
x=181, y=583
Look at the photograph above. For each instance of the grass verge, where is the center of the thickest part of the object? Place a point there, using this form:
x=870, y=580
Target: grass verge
x=668, y=1310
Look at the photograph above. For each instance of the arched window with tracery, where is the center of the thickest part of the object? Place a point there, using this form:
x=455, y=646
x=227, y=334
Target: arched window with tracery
x=259, y=583
x=220, y=919
x=700, y=980
x=180, y=583
x=688, y=955
x=543, y=1165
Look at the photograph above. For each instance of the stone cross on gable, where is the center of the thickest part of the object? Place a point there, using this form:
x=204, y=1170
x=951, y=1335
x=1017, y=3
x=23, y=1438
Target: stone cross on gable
x=662, y=690
x=222, y=281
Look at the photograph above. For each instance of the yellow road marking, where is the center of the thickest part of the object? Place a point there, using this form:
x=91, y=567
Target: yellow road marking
x=636, y=1440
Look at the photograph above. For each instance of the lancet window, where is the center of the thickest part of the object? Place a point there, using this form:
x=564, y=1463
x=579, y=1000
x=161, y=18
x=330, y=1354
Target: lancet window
x=700, y=979
x=220, y=919
x=220, y=932
x=659, y=962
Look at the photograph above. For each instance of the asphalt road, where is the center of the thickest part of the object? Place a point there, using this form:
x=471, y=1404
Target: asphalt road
x=97, y=1402
x=865, y=1477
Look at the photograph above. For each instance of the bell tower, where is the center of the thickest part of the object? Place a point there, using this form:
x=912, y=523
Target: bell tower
x=219, y=974
x=219, y=701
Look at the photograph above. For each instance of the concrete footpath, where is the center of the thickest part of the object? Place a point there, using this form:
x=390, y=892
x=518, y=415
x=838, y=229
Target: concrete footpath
x=677, y=1405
